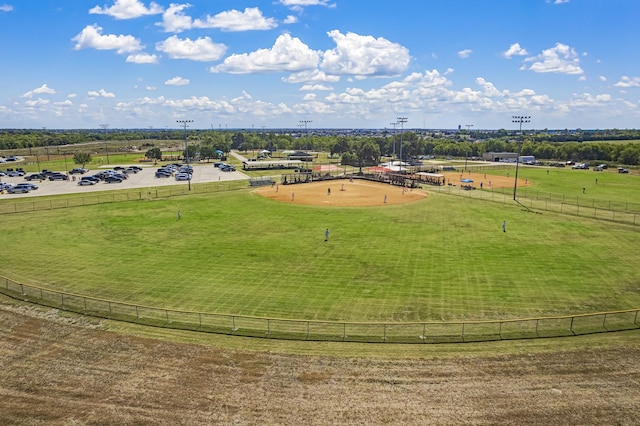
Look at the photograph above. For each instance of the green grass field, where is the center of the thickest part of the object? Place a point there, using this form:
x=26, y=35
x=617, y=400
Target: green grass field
x=443, y=258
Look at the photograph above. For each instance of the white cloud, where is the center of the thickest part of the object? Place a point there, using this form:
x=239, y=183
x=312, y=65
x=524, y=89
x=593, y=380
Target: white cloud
x=177, y=81
x=6, y=8
x=626, y=81
x=515, y=50
x=308, y=87
x=364, y=56
x=558, y=59
x=127, y=9
x=287, y=54
x=234, y=20
x=201, y=49
x=44, y=89
x=174, y=20
x=91, y=37
x=290, y=19
x=143, y=58
x=465, y=53
x=300, y=3
x=100, y=94
x=311, y=76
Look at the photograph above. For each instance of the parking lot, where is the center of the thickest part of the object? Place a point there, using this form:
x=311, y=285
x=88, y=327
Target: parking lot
x=143, y=179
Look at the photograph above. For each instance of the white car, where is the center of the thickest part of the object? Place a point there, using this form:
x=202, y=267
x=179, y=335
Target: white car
x=183, y=176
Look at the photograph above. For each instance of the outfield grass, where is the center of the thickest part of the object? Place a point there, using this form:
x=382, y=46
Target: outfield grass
x=443, y=258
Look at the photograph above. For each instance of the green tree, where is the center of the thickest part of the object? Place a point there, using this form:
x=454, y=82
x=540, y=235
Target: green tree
x=81, y=158
x=154, y=154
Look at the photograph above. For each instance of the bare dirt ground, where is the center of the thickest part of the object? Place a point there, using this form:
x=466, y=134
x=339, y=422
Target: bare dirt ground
x=361, y=193
x=70, y=371
x=342, y=193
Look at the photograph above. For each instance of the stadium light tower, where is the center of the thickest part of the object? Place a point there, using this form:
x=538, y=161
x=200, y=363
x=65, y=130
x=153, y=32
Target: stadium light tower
x=306, y=133
x=519, y=119
x=401, y=120
x=185, y=123
x=104, y=127
x=394, y=138
x=466, y=151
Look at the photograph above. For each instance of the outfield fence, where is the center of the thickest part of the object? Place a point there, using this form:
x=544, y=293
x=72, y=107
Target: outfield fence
x=333, y=331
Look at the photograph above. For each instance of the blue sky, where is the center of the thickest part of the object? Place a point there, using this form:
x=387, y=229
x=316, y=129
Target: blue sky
x=338, y=63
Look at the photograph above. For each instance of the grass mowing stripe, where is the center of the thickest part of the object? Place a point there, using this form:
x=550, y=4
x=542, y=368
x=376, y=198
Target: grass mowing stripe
x=441, y=258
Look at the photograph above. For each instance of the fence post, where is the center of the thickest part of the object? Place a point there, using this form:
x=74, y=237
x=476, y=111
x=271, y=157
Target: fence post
x=307, y=338
x=604, y=319
x=571, y=327
x=463, y=332
x=268, y=326
x=166, y=313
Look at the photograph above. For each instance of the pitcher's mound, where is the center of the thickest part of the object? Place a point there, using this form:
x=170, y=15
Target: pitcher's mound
x=342, y=193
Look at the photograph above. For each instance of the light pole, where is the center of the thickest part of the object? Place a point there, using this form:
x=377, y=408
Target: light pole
x=519, y=119
x=394, y=138
x=306, y=133
x=466, y=151
x=106, y=147
x=401, y=120
x=185, y=123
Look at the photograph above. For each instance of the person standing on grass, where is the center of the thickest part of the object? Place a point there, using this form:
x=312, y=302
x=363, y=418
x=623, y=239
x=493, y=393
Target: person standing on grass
x=326, y=235
x=504, y=226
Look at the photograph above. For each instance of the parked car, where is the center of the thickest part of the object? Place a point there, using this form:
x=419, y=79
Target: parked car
x=5, y=185
x=31, y=186
x=133, y=169
x=622, y=170
x=163, y=173
x=18, y=190
x=87, y=182
x=112, y=179
x=35, y=176
x=78, y=170
x=58, y=176
x=15, y=173
x=228, y=168
x=185, y=169
x=183, y=176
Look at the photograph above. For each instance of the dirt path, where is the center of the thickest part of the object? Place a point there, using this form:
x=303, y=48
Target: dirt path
x=62, y=372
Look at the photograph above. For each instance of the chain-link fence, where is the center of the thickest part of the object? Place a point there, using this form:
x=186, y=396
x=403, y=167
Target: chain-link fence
x=335, y=331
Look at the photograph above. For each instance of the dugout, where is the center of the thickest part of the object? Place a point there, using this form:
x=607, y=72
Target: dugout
x=431, y=178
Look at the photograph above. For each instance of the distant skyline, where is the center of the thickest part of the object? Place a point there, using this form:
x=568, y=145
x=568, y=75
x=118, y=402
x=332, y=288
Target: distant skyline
x=336, y=64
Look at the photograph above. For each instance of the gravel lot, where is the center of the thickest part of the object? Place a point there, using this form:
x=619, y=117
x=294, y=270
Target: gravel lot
x=144, y=179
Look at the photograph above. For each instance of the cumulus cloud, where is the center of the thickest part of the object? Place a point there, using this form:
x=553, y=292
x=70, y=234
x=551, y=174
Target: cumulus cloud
x=44, y=89
x=287, y=54
x=143, y=58
x=465, y=53
x=298, y=4
x=515, y=50
x=234, y=20
x=100, y=94
x=6, y=8
x=202, y=49
x=127, y=9
x=174, y=20
x=626, y=81
x=290, y=19
x=308, y=87
x=309, y=76
x=177, y=81
x=91, y=37
x=561, y=59
x=359, y=55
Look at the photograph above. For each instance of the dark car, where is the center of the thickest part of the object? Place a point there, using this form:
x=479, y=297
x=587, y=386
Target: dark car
x=112, y=179
x=93, y=179
x=35, y=176
x=78, y=170
x=133, y=169
x=58, y=176
x=163, y=173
